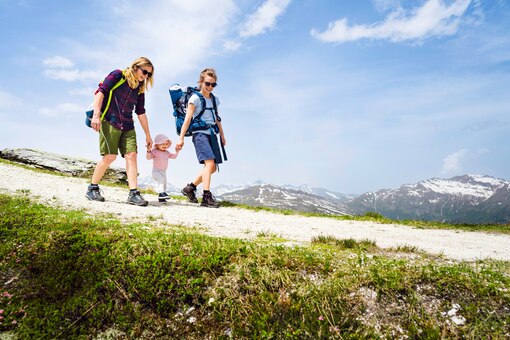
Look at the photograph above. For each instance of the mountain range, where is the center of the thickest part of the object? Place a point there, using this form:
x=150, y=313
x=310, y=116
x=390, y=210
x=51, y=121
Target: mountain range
x=472, y=199
x=462, y=199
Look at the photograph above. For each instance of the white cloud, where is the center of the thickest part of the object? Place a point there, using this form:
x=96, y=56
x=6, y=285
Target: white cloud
x=264, y=18
x=82, y=91
x=73, y=75
x=232, y=45
x=62, y=109
x=452, y=164
x=171, y=33
x=384, y=5
x=61, y=68
x=434, y=18
x=58, y=62
x=175, y=35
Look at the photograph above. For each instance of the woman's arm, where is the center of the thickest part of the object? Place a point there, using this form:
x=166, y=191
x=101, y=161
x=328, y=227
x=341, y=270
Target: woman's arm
x=96, y=117
x=144, y=122
x=187, y=121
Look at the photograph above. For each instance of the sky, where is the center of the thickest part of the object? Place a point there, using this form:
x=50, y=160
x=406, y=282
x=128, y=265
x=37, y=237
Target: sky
x=352, y=96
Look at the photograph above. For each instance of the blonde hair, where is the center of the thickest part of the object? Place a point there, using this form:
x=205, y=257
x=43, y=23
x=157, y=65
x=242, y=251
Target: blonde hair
x=208, y=72
x=130, y=74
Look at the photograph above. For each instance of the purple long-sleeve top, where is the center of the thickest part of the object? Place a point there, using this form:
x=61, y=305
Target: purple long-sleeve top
x=124, y=100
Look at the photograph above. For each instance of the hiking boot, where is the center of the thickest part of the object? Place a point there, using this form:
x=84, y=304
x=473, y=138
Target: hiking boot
x=136, y=199
x=163, y=196
x=209, y=201
x=94, y=194
x=189, y=191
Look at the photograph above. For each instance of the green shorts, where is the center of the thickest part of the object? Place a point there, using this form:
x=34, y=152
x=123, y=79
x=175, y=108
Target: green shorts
x=112, y=140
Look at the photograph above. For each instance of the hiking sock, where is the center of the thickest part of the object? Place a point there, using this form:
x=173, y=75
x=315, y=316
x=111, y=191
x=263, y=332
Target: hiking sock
x=193, y=186
x=94, y=186
x=133, y=190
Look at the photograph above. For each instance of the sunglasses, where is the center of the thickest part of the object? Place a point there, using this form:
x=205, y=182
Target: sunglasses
x=206, y=83
x=146, y=73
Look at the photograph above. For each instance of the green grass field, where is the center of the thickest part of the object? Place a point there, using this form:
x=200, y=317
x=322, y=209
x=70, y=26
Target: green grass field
x=66, y=274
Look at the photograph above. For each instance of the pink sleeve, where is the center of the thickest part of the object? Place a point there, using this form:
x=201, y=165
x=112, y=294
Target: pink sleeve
x=172, y=155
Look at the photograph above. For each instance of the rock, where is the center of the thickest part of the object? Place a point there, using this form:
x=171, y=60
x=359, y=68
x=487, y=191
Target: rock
x=77, y=167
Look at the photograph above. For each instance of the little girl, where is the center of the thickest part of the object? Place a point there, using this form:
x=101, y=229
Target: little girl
x=160, y=156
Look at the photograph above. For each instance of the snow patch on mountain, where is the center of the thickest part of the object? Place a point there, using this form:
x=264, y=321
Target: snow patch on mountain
x=478, y=186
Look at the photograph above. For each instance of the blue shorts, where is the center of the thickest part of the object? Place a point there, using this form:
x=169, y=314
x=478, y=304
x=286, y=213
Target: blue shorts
x=206, y=148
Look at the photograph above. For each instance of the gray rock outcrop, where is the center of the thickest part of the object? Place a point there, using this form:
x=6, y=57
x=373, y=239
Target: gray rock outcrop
x=67, y=165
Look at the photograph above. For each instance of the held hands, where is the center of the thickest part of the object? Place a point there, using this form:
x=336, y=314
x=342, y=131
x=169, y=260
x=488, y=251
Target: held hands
x=148, y=143
x=179, y=145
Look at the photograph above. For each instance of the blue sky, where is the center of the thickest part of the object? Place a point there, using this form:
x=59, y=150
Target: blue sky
x=353, y=96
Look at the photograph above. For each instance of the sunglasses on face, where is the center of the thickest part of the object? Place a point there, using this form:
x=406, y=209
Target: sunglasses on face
x=206, y=83
x=146, y=73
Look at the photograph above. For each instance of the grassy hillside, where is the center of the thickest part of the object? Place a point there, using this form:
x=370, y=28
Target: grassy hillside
x=65, y=274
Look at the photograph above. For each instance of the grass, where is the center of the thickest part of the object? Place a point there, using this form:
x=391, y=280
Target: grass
x=65, y=274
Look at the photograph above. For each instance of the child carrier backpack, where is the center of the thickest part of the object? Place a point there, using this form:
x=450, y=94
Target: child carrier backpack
x=180, y=96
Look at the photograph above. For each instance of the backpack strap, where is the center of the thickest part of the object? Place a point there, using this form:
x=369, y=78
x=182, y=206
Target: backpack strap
x=202, y=102
x=204, y=106
x=215, y=108
x=212, y=130
x=120, y=82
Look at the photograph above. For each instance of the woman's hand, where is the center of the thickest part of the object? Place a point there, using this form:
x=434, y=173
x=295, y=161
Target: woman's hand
x=179, y=145
x=95, y=123
x=148, y=143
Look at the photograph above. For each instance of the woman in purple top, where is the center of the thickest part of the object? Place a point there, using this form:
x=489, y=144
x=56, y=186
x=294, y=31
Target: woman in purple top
x=117, y=130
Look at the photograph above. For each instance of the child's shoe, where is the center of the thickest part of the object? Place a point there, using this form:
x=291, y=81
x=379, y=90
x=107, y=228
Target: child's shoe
x=163, y=196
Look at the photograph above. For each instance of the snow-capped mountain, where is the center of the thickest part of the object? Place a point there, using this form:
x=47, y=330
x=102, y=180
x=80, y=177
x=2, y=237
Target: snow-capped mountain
x=325, y=193
x=268, y=195
x=223, y=189
x=461, y=199
x=150, y=183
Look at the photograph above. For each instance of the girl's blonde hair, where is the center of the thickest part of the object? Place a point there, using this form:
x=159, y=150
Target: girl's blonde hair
x=132, y=79
x=206, y=72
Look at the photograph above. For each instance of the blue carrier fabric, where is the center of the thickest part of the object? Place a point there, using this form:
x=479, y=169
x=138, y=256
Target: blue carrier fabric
x=180, y=96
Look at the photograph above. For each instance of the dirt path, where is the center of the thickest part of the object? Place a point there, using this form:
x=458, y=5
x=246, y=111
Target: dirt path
x=240, y=223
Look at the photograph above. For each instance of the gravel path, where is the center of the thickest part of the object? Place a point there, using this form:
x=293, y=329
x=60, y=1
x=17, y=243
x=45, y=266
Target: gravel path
x=69, y=192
